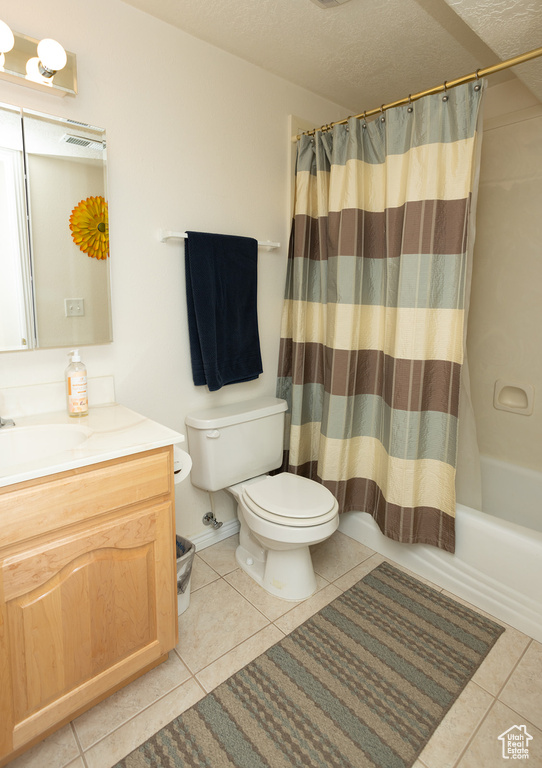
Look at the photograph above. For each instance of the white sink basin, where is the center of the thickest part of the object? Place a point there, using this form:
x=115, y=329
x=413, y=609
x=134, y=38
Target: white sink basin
x=20, y=445
x=42, y=444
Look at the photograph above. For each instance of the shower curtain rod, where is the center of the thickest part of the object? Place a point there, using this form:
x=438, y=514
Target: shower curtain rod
x=534, y=54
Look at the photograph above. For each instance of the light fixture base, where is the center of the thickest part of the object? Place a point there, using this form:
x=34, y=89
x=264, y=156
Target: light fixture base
x=45, y=71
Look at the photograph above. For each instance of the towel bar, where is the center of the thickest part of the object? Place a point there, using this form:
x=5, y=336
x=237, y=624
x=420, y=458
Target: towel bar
x=166, y=234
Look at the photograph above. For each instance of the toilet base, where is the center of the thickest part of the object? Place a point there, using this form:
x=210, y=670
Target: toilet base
x=287, y=574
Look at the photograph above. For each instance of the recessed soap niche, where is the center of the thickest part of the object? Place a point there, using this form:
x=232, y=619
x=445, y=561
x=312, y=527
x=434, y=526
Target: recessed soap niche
x=514, y=397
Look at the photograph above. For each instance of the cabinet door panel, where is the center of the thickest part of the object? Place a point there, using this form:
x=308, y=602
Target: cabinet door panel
x=93, y=614
x=78, y=631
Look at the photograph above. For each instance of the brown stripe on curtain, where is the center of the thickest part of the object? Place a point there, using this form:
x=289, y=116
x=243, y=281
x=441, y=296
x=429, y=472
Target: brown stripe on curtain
x=434, y=226
x=408, y=385
x=409, y=525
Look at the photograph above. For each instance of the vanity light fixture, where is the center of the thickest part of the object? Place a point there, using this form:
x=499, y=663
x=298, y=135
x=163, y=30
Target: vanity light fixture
x=53, y=69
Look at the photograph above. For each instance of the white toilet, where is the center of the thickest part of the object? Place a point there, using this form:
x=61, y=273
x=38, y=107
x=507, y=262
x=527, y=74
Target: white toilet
x=281, y=516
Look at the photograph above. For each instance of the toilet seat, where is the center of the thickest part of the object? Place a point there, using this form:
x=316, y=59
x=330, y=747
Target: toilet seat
x=292, y=500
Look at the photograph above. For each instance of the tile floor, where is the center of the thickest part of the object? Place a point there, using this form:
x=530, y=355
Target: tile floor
x=231, y=620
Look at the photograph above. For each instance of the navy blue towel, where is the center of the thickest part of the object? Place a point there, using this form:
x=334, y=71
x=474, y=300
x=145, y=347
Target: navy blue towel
x=221, y=287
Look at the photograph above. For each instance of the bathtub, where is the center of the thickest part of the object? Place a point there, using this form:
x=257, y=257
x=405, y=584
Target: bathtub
x=497, y=565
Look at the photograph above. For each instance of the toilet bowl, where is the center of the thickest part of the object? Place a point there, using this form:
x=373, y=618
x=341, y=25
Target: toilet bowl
x=233, y=448
x=281, y=516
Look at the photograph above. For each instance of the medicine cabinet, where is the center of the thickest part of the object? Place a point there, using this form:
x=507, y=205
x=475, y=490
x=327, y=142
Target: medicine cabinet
x=52, y=182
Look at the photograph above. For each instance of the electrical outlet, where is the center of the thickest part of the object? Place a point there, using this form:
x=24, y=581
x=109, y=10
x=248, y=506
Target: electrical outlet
x=74, y=307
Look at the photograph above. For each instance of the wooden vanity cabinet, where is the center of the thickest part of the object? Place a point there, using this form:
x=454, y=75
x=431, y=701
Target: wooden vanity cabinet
x=88, y=597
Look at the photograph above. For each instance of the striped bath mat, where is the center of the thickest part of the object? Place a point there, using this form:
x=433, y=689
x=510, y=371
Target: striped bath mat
x=365, y=682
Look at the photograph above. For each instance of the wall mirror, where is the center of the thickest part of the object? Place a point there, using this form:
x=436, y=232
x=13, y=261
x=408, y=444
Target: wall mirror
x=54, y=238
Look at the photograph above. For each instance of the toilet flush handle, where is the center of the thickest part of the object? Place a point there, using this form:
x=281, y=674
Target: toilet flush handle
x=212, y=434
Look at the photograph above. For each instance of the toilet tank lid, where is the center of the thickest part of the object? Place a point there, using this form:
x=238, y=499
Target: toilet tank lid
x=235, y=413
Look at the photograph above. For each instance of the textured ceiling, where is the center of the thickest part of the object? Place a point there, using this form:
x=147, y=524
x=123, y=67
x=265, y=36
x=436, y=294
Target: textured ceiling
x=509, y=27
x=363, y=53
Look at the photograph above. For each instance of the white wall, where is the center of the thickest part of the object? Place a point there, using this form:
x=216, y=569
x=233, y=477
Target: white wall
x=197, y=139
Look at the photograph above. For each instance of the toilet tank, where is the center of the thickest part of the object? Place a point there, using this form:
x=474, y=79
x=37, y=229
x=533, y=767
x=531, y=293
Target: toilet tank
x=235, y=442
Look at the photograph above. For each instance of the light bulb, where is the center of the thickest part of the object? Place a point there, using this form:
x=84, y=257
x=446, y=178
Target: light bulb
x=7, y=40
x=33, y=72
x=52, y=56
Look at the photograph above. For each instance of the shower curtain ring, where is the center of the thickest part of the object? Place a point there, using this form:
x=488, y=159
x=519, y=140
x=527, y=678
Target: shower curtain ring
x=445, y=97
x=410, y=108
x=478, y=84
x=364, y=125
x=382, y=119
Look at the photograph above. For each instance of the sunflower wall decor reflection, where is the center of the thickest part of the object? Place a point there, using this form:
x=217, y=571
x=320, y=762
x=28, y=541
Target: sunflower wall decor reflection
x=89, y=227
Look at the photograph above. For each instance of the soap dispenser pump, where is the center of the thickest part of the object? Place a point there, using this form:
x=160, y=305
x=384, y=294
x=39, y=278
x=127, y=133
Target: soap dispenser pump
x=76, y=386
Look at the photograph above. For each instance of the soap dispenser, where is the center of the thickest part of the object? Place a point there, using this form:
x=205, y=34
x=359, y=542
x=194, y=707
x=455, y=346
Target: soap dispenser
x=76, y=386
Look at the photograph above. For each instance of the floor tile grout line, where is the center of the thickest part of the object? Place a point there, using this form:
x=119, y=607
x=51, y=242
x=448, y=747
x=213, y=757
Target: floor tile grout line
x=269, y=621
x=342, y=576
x=520, y=716
x=133, y=717
x=197, y=589
x=322, y=576
x=503, y=686
x=203, y=560
x=492, y=705
x=222, y=655
x=78, y=742
x=513, y=669
x=279, y=618
x=192, y=677
x=269, y=624
x=238, y=645
x=200, y=686
x=474, y=733
x=253, y=604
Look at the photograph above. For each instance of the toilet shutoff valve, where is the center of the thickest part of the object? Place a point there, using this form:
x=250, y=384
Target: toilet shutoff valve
x=210, y=519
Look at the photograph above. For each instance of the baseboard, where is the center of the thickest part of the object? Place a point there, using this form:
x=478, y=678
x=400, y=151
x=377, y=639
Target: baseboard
x=208, y=538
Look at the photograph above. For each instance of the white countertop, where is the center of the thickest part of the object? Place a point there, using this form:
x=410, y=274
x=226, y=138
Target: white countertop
x=113, y=431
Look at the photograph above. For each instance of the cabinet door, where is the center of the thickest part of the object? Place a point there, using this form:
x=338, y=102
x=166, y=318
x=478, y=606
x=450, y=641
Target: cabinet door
x=86, y=611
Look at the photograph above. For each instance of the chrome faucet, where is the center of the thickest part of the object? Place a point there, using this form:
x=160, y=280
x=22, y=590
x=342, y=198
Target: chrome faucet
x=6, y=422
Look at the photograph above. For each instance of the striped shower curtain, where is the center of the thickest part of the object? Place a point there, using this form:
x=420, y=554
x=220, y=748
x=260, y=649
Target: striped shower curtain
x=373, y=322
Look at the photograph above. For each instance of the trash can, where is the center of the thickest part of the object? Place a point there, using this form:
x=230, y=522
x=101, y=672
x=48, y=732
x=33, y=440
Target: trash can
x=185, y=557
